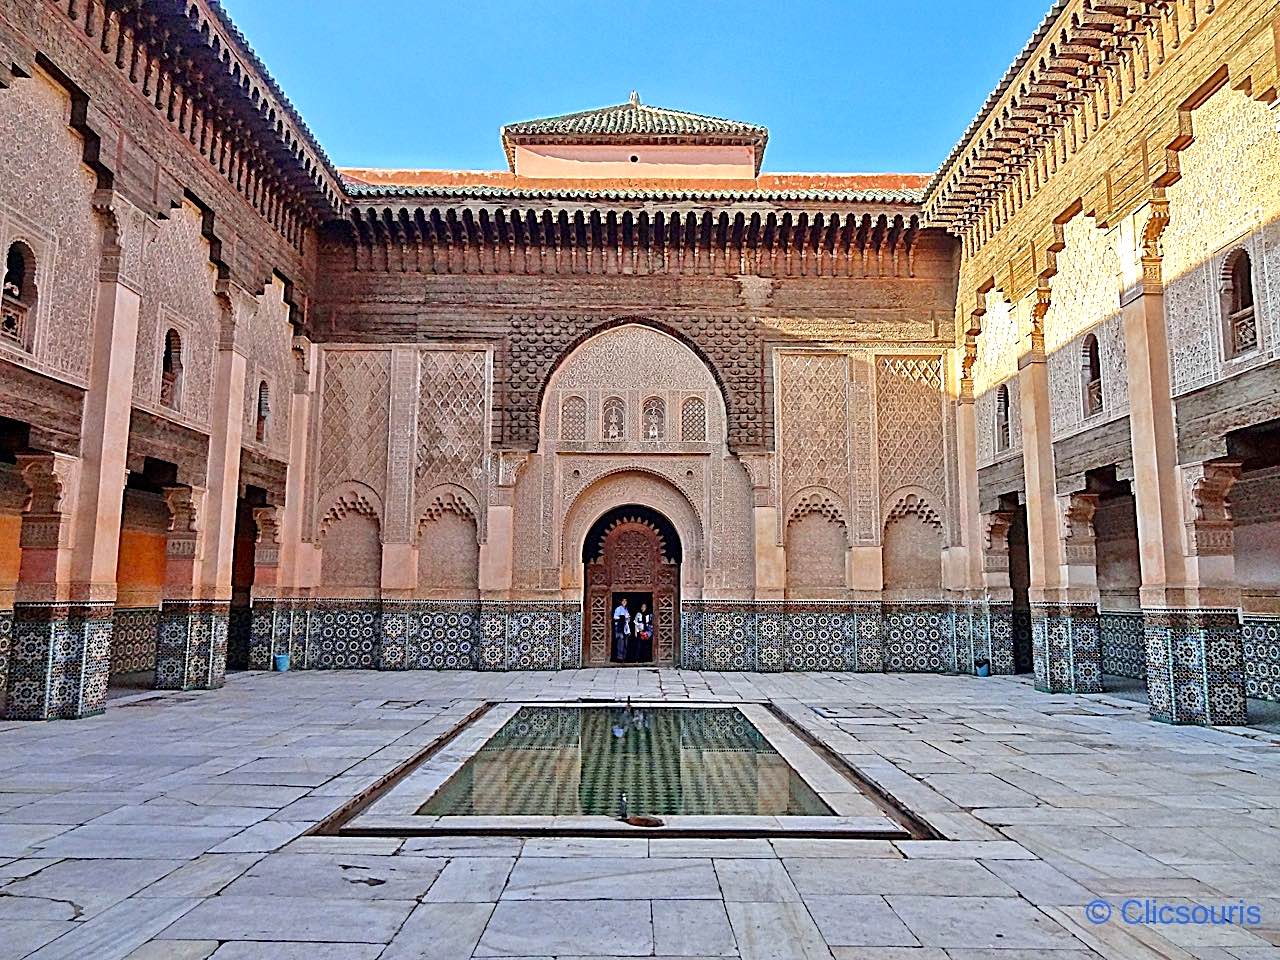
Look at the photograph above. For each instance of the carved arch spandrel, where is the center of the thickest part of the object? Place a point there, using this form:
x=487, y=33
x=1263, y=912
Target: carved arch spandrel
x=351, y=497
x=643, y=488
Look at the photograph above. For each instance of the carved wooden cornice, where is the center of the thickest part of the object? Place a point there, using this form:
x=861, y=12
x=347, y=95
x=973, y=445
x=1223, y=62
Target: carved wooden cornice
x=609, y=238
x=1086, y=59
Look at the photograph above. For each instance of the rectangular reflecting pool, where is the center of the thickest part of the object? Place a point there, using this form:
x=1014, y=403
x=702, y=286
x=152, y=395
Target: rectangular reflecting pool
x=550, y=761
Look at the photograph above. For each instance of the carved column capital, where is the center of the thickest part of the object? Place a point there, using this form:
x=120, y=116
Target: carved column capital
x=759, y=467
x=1207, y=488
x=995, y=540
x=1075, y=514
x=185, y=506
x=267, y=547
x=52, y=480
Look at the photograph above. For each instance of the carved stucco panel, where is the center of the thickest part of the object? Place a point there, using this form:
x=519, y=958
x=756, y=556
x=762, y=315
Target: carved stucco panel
x=353, y=419
x=1226, y=194
x=813, y=417
x=46, y=195
x=270, y=360
x=909, y=392
x=178, y=293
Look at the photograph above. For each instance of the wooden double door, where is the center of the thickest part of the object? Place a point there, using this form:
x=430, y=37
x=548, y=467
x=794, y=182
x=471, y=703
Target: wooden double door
x=631, y=563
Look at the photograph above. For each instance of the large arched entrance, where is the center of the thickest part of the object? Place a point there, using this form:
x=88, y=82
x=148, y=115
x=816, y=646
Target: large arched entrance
x=631, y=558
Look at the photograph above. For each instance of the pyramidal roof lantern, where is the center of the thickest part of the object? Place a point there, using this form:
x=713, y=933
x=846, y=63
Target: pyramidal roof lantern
x=634, y=123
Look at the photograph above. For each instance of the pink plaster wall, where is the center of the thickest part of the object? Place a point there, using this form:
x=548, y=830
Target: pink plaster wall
x=605, y=161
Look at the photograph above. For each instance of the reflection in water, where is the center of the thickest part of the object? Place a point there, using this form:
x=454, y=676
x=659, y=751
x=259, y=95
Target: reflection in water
x=563, y=761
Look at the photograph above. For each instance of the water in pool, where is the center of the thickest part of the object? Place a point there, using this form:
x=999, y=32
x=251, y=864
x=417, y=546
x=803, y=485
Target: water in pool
x=565, y=761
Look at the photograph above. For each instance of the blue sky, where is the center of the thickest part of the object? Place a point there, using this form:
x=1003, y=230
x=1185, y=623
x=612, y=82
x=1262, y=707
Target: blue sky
x=842, y=86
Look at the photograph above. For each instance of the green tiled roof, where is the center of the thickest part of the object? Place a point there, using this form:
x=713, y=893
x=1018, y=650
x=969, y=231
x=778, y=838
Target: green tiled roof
x=635, y=119
x=635, y=122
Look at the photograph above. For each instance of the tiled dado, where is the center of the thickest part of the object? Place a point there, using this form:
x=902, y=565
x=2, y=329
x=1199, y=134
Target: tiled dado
x=845, y=636
x=1195, y=666
x=191, y=645
x=133, y=639
x=6, y=642
x=1124, y=644
x=59, y=660
x=1066, y=646
x=1261, y=637
x=417, y=635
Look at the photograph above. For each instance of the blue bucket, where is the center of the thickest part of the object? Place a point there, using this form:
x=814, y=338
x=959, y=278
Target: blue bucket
x=984, y=670
x=281, y=661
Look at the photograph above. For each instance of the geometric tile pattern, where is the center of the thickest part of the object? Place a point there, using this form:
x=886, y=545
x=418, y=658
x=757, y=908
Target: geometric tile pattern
x=191, y=645
x=6, y=642
x=239, y=633
x=1261, y=657
x=1195, y=666
x=60, y=660
x=133, y=639
x=1067, y=651
x=1124, y=644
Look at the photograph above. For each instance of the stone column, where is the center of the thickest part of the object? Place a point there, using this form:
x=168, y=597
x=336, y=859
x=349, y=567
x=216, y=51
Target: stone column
x=266, y=607
x=1194, y=639
x=299, y=559
x=770, y=553
x=497, y=558
x=60, y=662
x=399, y=555
x=185, y=642
x=968, y=569
x=1065, y=626
x=1195, y=652
x=60, y=659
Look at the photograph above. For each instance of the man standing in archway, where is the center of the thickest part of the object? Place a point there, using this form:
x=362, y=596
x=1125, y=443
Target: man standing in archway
x=621, y=631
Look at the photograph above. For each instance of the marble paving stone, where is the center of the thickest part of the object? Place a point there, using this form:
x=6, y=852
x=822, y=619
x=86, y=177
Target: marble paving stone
x=292, y=918
x=118, y=930
x=1040, y=882
x=202, y=877
x=964, y=849
x=338, y=877
x=804, y=847
x=979, y=790
x=981, y=922
x=461, y=846
x=586, y=847
x=108, y=841
x=18, y=938
x=776, y=931
x=860, y=920
x=175, y=950
x=471, y=881
x=164, y=815
x=20, y=839
x=439, y=931
x=692, y=928
x=754, y=880
x=88, y=886
x=684, y=847
x=593, y=878
x=826, y=877
x=277, y=950
x=365, y=846
x=262, y=837
x=69, y=812
x=621, y=928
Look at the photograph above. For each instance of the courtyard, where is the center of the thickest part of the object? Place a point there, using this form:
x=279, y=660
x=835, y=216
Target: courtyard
x=181, y=826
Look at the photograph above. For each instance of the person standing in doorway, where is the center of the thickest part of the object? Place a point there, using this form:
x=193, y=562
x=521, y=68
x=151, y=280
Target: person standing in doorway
x=621, y=631
x=642, y=631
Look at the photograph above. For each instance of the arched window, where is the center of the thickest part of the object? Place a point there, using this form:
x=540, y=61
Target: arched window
x=264, y=412
x=1002, y=419
x=573, y=419
x=19, y=298
x=1239, y=317
x=614, y=420
x=1091, y=376
x=655, y=419
x=693, y=420
x=171, y=371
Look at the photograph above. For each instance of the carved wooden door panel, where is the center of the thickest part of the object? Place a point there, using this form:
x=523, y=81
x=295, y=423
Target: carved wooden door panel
x=631, y=560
